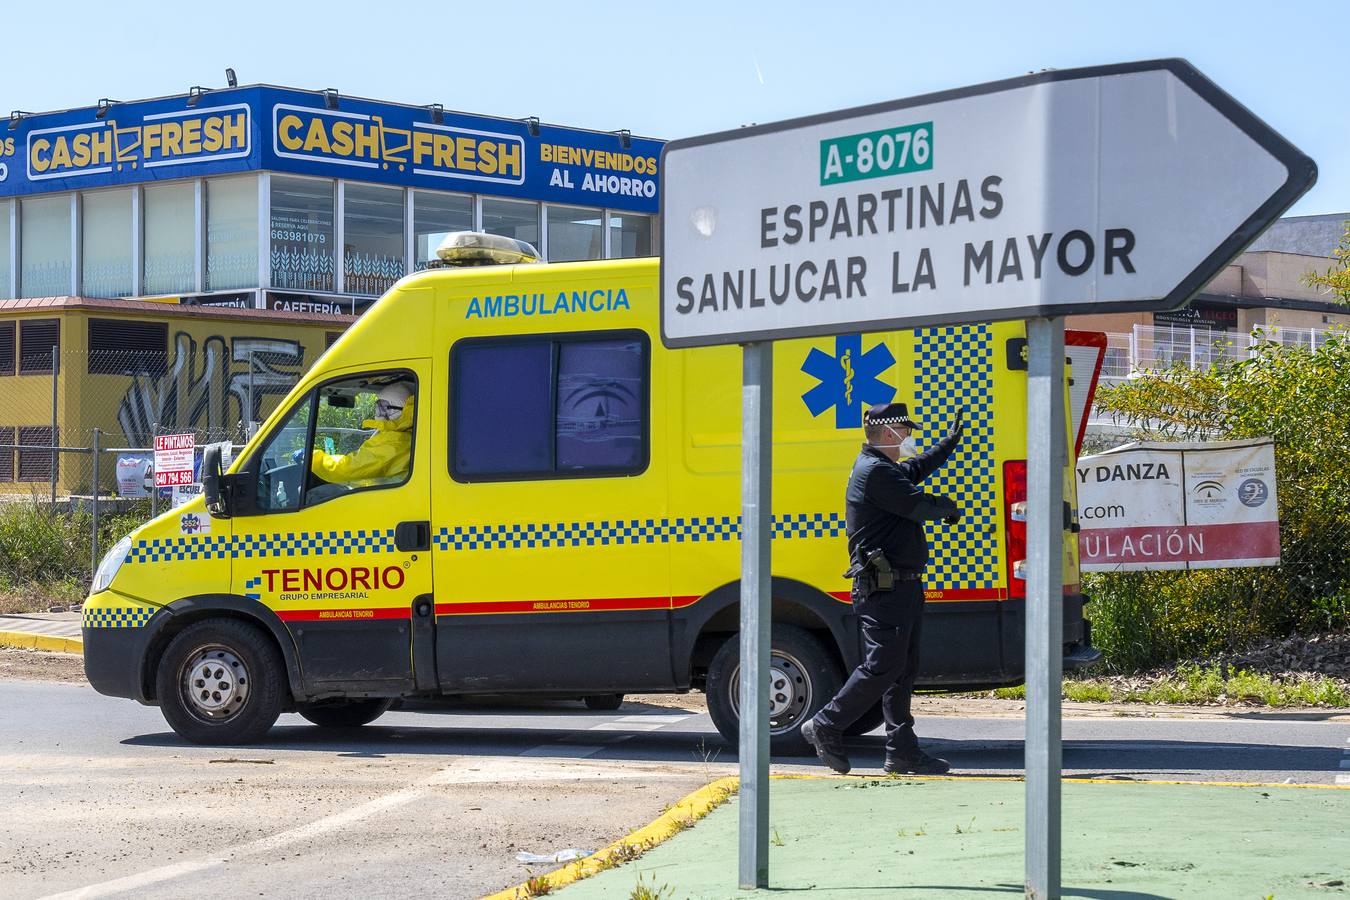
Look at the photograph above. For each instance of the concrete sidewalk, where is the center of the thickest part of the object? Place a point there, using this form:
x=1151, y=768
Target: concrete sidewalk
x=58, y=632
x=865, y=837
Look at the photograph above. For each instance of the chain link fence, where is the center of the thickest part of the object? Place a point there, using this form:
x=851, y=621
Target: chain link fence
x=77, y=443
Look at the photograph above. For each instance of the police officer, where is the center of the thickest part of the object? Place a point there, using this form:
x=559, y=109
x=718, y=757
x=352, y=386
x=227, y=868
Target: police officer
x=885, y=514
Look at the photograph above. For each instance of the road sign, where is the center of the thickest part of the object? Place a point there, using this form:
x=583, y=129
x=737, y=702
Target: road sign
x=173, y=459
x=1112, y=188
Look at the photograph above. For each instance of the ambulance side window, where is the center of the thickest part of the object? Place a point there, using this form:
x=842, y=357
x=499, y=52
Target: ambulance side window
x=562, y=406
x=280, y=474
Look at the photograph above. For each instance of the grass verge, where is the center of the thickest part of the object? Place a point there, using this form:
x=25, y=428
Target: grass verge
x=1195, y=684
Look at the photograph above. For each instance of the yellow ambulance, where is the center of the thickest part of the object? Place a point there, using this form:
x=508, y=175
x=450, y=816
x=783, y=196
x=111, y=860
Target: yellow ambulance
x=499, y=481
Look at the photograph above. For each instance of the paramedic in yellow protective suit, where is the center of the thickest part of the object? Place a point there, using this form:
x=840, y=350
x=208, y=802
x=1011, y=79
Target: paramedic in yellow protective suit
x=385, y=454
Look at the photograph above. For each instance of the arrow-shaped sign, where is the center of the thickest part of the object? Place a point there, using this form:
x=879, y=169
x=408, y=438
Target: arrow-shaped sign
x=1112, y=188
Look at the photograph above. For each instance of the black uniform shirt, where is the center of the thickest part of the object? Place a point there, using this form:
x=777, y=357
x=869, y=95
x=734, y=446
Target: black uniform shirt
x=885, y=509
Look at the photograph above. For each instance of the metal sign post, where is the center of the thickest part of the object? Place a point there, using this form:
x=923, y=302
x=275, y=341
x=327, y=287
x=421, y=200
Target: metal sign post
x=1073, y=192
x=756, y=609
x=1047, y=455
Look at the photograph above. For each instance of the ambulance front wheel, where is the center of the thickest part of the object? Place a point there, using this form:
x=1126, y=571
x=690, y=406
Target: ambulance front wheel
x=803, y=676
x=345, y=713
x=221, y=681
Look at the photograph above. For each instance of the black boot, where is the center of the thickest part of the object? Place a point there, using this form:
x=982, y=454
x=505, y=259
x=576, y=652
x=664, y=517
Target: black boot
x=829, y=745
x=919, y=764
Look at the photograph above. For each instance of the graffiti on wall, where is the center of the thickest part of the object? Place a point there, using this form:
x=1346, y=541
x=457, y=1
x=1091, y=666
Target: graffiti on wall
x=214, y=387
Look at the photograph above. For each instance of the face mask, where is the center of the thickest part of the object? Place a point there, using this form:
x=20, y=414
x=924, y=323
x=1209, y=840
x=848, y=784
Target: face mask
x=907, y=447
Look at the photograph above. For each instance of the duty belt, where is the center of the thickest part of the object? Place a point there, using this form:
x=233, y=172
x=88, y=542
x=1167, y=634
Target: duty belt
x=868, y=582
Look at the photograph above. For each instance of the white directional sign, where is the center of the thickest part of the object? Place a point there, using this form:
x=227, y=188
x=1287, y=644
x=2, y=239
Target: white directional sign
x=1088, y=190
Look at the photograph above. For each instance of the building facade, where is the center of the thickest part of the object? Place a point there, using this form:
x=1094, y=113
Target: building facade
x=1264, y=290
x=298, y=201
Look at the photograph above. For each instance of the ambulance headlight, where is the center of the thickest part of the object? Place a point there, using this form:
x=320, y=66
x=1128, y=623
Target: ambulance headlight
x=473, y=248
x=112, y=561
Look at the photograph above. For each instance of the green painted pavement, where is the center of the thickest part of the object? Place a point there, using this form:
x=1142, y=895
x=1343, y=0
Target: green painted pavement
x=870, y=838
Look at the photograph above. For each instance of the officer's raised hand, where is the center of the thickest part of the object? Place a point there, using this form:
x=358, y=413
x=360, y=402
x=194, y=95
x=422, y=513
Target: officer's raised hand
x=959, y=426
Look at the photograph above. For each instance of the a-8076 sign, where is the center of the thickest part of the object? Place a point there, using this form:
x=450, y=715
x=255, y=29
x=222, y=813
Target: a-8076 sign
x=1112, y=188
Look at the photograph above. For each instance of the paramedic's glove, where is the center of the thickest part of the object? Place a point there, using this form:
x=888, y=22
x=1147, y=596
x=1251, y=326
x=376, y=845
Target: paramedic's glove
x=953, y=518
x=298, y=456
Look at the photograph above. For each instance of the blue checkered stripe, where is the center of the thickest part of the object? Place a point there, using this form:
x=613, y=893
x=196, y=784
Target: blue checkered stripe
x=305, y=543
x=180, y=548
x=954, y=368
x=620, y=532
x=253, y=588
x=118, y=617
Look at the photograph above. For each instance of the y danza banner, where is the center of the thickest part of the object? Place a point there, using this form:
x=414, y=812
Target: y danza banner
x=1179, y=506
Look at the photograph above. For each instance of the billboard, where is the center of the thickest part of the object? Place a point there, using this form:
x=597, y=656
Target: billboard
x=1154, y=506
x=284, y=130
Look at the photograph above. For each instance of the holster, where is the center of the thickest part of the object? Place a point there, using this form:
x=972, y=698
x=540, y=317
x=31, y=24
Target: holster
x=873, y=574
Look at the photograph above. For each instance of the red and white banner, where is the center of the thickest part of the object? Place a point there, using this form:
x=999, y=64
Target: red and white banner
x=1179, y=506
x=173, y=459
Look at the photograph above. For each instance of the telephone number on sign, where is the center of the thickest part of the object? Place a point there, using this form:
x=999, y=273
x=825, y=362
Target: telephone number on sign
x=299, y=237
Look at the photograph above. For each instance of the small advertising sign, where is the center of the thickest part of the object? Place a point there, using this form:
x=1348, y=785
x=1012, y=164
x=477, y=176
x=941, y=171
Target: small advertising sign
x=173, y=459
x=1158, y=506
x=135, y=474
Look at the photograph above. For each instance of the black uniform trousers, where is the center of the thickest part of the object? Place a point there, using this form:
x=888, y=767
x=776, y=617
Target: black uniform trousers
x=891, y=623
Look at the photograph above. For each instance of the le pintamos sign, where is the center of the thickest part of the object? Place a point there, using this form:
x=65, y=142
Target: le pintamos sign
x=1179, y=506
x=173, y=459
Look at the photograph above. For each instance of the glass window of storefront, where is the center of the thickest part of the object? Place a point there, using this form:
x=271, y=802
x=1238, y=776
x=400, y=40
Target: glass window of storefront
x=434, y=216
x=6, y=263
x=170, y=212
x=630, y=235
x=231, y=233
x=105, y=248
x=302, y=233
x=46, y=249
x=513, y=218
x=373, y=253
x=574, y=233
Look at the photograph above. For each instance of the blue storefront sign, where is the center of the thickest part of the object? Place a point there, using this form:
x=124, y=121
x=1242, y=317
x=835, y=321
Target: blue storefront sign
x=282, y=130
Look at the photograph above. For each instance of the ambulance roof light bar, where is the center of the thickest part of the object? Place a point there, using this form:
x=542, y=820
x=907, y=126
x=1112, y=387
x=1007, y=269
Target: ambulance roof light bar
x=473, y=248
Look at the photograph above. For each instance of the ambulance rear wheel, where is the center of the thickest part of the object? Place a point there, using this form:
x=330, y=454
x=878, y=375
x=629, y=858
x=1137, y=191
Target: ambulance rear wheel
x=345, y=713
x=803, y=676
x=604, y=702
x=221, y=681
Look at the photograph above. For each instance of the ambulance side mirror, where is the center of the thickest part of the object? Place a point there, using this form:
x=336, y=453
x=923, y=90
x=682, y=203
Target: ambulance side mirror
x=214, y=484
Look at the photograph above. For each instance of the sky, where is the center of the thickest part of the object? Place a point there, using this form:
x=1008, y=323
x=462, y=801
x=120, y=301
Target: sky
x=682, y=69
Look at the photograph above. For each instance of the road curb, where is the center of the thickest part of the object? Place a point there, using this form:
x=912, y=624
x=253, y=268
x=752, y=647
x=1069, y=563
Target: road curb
x=27, y=641
x=679, y=816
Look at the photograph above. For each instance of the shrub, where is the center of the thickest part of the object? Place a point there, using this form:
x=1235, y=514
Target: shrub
x=1298, y=397
x=45, y=548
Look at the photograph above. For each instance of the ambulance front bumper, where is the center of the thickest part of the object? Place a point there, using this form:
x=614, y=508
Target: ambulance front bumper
x=117, y=633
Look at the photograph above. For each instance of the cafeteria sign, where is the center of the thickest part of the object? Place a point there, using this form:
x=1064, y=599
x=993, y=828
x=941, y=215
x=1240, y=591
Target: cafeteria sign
x=1152, y=506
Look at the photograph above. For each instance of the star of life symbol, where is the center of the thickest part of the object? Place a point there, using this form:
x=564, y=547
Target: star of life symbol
x=848, y=380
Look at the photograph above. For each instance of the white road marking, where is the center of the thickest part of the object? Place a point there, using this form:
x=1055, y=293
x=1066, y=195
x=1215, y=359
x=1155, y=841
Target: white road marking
x=462, y=771
x=564, y=751
x=628, y=726
x=1343, y=779
x=624, y=725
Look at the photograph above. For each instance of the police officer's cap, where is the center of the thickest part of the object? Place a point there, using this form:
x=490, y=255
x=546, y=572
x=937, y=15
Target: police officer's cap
x=889, y=414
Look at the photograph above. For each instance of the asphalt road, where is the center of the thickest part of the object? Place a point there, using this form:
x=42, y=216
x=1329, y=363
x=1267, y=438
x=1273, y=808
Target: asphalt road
x=101, y=798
